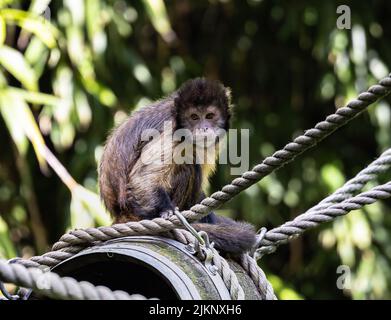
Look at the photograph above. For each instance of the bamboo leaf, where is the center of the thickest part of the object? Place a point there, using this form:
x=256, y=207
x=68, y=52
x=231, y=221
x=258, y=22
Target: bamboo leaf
x=36, y=54
x=83, y=109
x=3, y=80
x=95, y=29
x=30, y=126
x=12, y=123
x=86, y=205
x=37, y=25
x=80, y=217
x=14, y=62
x=4, y=3
x=3, y=31
x=157, y=12
x=22, y=119
x=39, y=6
x=36, y=97
x=7, y=249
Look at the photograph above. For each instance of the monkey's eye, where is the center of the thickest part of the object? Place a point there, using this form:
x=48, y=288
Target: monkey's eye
x=194, y=117
x=210, y=115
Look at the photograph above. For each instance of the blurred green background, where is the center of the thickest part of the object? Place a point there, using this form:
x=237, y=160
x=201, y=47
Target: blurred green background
x=69, y=73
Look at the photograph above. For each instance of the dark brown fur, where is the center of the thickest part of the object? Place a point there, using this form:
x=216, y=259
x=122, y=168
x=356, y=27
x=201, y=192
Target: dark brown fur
x=132, y=190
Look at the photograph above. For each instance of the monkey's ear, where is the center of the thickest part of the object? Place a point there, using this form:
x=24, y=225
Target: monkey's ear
x=228, y=94
x=229, y=98
x=176, y=99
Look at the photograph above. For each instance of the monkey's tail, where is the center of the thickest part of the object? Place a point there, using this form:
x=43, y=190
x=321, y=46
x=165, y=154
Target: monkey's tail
x=232, y=238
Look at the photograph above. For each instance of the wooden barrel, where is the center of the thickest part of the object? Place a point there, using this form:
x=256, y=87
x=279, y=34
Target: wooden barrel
x=155, y=267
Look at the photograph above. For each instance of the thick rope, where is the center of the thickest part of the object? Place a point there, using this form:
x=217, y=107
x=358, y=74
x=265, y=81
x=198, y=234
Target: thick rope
x=372, y=171
x=302, y=143
x=258, y=276
x=313, y=218
x=223, y=268
x=53, y=286
x=249, y=265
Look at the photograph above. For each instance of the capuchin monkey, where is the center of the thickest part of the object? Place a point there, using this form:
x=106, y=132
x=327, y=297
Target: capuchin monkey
x=137, y=183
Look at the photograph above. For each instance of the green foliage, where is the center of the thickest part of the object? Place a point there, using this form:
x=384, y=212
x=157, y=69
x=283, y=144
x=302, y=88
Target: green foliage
x=7, y=249
x=67, y=80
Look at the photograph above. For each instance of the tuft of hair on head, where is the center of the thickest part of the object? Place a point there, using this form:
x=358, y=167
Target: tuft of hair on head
x=202, y=92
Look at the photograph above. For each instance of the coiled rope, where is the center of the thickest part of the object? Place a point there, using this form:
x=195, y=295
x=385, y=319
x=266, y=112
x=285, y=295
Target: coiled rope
x=248, y=264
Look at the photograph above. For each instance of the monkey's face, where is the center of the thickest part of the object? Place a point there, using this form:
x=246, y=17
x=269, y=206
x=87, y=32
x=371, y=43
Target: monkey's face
x=206, y=123
x=202, y=107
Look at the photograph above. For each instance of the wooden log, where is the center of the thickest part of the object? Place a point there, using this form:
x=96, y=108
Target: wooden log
x=154, y=267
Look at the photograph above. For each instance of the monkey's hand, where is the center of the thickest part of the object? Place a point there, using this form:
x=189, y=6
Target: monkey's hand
x=168, y=213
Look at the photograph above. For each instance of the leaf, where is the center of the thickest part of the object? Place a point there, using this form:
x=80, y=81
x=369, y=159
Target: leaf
x=80, y=217
x=94, y=87
x=157, y=12
x=39, y=6
x=7, y=249
x=36, y=54
x=3, y=31
x=14, y=62
x=282, y=290
x=4, y=3
x=77, y=11
x=21, y=121
x=36, y=97
x=95, y=26
x=83, y=109
x=85, y=204
x=37, y=25
x=3, y=80
x=332, y=176
x=12, y=123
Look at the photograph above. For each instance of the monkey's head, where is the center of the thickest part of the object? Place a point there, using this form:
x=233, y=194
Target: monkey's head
x=203, y=107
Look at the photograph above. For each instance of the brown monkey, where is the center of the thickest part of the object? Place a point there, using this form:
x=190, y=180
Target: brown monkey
x=136, y=184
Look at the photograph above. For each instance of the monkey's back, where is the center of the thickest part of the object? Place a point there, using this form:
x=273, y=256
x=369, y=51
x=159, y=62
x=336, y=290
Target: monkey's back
x=122, y=151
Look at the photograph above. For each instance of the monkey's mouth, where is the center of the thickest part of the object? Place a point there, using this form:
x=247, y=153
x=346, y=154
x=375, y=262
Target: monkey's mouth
x=205, y=139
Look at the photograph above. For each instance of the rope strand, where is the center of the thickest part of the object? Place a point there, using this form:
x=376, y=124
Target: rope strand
x=313, y=218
